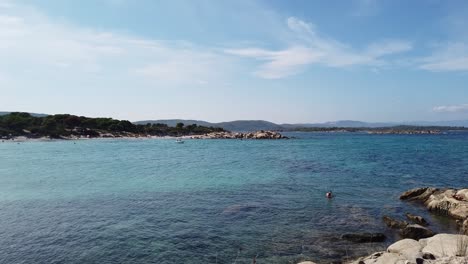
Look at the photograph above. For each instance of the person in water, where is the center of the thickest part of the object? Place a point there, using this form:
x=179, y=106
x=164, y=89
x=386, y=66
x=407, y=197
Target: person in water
x=329, y=195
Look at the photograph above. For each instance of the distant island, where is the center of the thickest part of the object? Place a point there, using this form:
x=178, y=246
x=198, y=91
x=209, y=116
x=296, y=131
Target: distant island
x=345, y=125
x=65, y=126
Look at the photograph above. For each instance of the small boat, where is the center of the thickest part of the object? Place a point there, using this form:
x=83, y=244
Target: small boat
x=179, y=141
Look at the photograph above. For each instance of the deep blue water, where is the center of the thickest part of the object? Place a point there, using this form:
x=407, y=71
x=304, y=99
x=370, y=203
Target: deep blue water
x=214, y=201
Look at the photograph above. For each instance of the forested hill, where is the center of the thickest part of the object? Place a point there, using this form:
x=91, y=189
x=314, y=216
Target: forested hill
x=239, y=125
x=68, y=126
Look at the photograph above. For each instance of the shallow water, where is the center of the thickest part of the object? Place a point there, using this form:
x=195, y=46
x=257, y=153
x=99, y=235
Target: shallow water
x=214, y=201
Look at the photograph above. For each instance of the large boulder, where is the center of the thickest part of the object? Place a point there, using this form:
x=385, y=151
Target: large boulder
x=382, y=258
x=364, y=237
x=409, y=248
x=416, y=232
x=446, y=245
x=439, y=249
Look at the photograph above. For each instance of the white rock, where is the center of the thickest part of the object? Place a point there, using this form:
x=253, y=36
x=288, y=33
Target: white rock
x=386, y=258
x=409, y=248
x=444, y=245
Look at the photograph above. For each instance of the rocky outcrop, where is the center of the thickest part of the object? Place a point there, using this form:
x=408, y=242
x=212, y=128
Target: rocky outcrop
x=364, y=237
x=238, y=135
x=450, y=202
x=439, y=249
x=418, y=194
x=414, y=231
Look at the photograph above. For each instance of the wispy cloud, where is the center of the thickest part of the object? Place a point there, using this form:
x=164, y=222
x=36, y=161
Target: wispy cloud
x=32, y=42
x=448, y=57
x=311, y=48
x=451, y=108
x=365, y=8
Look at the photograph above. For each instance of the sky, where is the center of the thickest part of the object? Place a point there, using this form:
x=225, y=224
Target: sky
x=218, y=60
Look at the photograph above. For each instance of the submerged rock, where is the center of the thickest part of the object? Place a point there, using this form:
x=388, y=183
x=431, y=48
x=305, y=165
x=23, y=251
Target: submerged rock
x=393, y=223
x=417, y=219
x=240, y=208
x=416, y=232
x=364, y=237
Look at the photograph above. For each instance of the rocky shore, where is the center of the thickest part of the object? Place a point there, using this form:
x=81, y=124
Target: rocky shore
x=450, y=202
x=439, y=249
x=239, y=135
x=419, y=243
x=125, y=135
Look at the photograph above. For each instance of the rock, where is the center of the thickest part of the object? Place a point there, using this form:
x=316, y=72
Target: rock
x=448, y=202
x=416, y=232
x=409, y=248
x=418, y=193
x=427, y=255
x=364, y=237
x=240, y=208
x=393, y=223
x=417, y=219
x=439, y=249
x=446, y=245
x=412, y=193
x=384, y=258
x=252, y=135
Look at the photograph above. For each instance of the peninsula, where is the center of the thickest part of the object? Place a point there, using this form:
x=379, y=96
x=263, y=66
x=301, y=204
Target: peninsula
x=67, y=126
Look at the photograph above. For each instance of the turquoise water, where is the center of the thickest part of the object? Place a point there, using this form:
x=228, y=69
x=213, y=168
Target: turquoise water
x=214, y=201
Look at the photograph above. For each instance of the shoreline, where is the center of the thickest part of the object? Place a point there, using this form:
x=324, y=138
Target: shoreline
x=256, y=135
x=418, y=244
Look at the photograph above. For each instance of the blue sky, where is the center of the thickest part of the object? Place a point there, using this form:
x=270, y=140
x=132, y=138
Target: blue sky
x=282, y=61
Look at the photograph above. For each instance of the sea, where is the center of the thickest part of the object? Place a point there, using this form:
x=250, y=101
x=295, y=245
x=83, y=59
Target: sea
x=216, y=201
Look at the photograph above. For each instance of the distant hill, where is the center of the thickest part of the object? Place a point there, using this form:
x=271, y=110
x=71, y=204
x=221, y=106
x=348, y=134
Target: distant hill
x=33, y=114
x=253, y=125
x=239, y=125
x=71, y=127
x=341, y=123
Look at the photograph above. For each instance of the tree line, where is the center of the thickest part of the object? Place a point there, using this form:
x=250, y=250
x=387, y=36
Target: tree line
x=65, y=125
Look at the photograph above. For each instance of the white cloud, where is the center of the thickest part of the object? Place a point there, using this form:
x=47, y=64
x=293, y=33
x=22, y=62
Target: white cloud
x=311, y=48
x=32, y=42
x=449, y=57
x=451, y=108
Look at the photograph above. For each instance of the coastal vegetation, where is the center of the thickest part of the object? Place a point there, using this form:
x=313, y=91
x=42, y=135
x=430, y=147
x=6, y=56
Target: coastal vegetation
x=66, y=126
